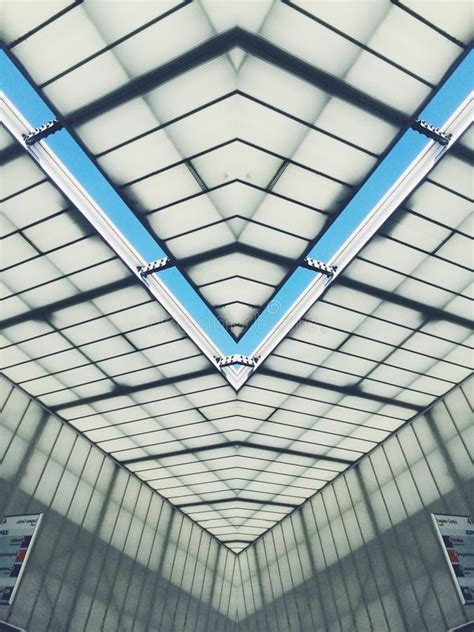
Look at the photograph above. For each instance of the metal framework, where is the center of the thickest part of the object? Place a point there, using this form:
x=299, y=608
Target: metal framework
x=326, y=367
x=373, y=217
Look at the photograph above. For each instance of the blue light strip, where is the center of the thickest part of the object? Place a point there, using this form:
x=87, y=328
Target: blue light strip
x=30, y=104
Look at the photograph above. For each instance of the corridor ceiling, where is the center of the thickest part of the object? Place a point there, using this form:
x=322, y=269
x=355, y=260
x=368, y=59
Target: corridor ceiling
x=237, y=132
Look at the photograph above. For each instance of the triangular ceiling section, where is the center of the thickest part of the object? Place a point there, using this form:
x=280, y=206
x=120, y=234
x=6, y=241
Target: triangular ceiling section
x=88, y=339
x=251, y=118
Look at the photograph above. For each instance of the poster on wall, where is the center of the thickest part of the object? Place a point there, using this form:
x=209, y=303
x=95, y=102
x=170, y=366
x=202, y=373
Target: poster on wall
x=17, y=535
x=456, y=535
x=9, y=627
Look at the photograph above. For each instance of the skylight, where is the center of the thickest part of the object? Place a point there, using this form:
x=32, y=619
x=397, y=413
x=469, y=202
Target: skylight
x=408, y=161
x=229, y=202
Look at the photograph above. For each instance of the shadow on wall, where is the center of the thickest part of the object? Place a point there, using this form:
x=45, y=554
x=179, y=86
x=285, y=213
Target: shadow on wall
x=362, y=555
x=111, y=554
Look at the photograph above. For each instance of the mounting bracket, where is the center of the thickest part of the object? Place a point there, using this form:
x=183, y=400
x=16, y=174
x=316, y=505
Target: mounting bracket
x=154, y=266
x=320, y=266
x=422, y=127
x=42, y=132
x=236, y=359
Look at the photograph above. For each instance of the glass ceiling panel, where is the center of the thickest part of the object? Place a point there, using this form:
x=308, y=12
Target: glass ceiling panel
x=58, y=36
x=455, y=24
x=19, y=20
x=384, y=341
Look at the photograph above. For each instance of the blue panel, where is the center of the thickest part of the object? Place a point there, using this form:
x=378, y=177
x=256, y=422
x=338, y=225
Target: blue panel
x=451, y=94
x=22, y=94
x=439, y=109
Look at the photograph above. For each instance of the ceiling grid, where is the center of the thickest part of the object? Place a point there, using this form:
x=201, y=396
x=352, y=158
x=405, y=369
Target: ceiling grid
x=236, y=145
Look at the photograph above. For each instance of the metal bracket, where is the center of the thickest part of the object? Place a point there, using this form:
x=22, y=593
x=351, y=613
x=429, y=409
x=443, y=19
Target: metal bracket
x=42, y=132
x=154, y=266
x=432, y=132
x=320, y=266
x=236, y=359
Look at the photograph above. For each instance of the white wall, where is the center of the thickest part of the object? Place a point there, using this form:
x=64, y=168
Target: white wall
x=362, y=555
x=111, y=554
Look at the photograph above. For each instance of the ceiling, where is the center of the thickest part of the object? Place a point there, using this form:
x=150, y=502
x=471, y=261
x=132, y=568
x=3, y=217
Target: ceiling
x=236, y=132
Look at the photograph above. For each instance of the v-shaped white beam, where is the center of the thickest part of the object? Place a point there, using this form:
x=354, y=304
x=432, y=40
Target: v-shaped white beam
x=409, y=160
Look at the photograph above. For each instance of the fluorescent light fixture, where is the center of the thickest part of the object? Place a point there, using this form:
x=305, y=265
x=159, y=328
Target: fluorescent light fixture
x=449, y=113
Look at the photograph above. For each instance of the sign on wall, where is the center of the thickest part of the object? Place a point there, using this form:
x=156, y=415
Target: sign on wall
x=465, y=627
x=9, y=627
x=17, y=534
x=456, y=534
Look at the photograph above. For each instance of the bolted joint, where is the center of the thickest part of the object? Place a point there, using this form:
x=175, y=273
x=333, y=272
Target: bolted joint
x=236, y=359
x=320, y=266
x=42, y=132
x=154, y=266
x=422, y=127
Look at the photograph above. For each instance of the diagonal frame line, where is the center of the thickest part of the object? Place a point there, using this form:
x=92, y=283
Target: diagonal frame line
x=309, y=285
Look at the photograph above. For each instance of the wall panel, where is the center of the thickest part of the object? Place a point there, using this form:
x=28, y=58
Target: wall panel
x=111, y=554
x=363, y=555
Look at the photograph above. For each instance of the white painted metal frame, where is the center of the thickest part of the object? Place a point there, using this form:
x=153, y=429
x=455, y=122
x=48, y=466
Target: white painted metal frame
x=236, y=375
